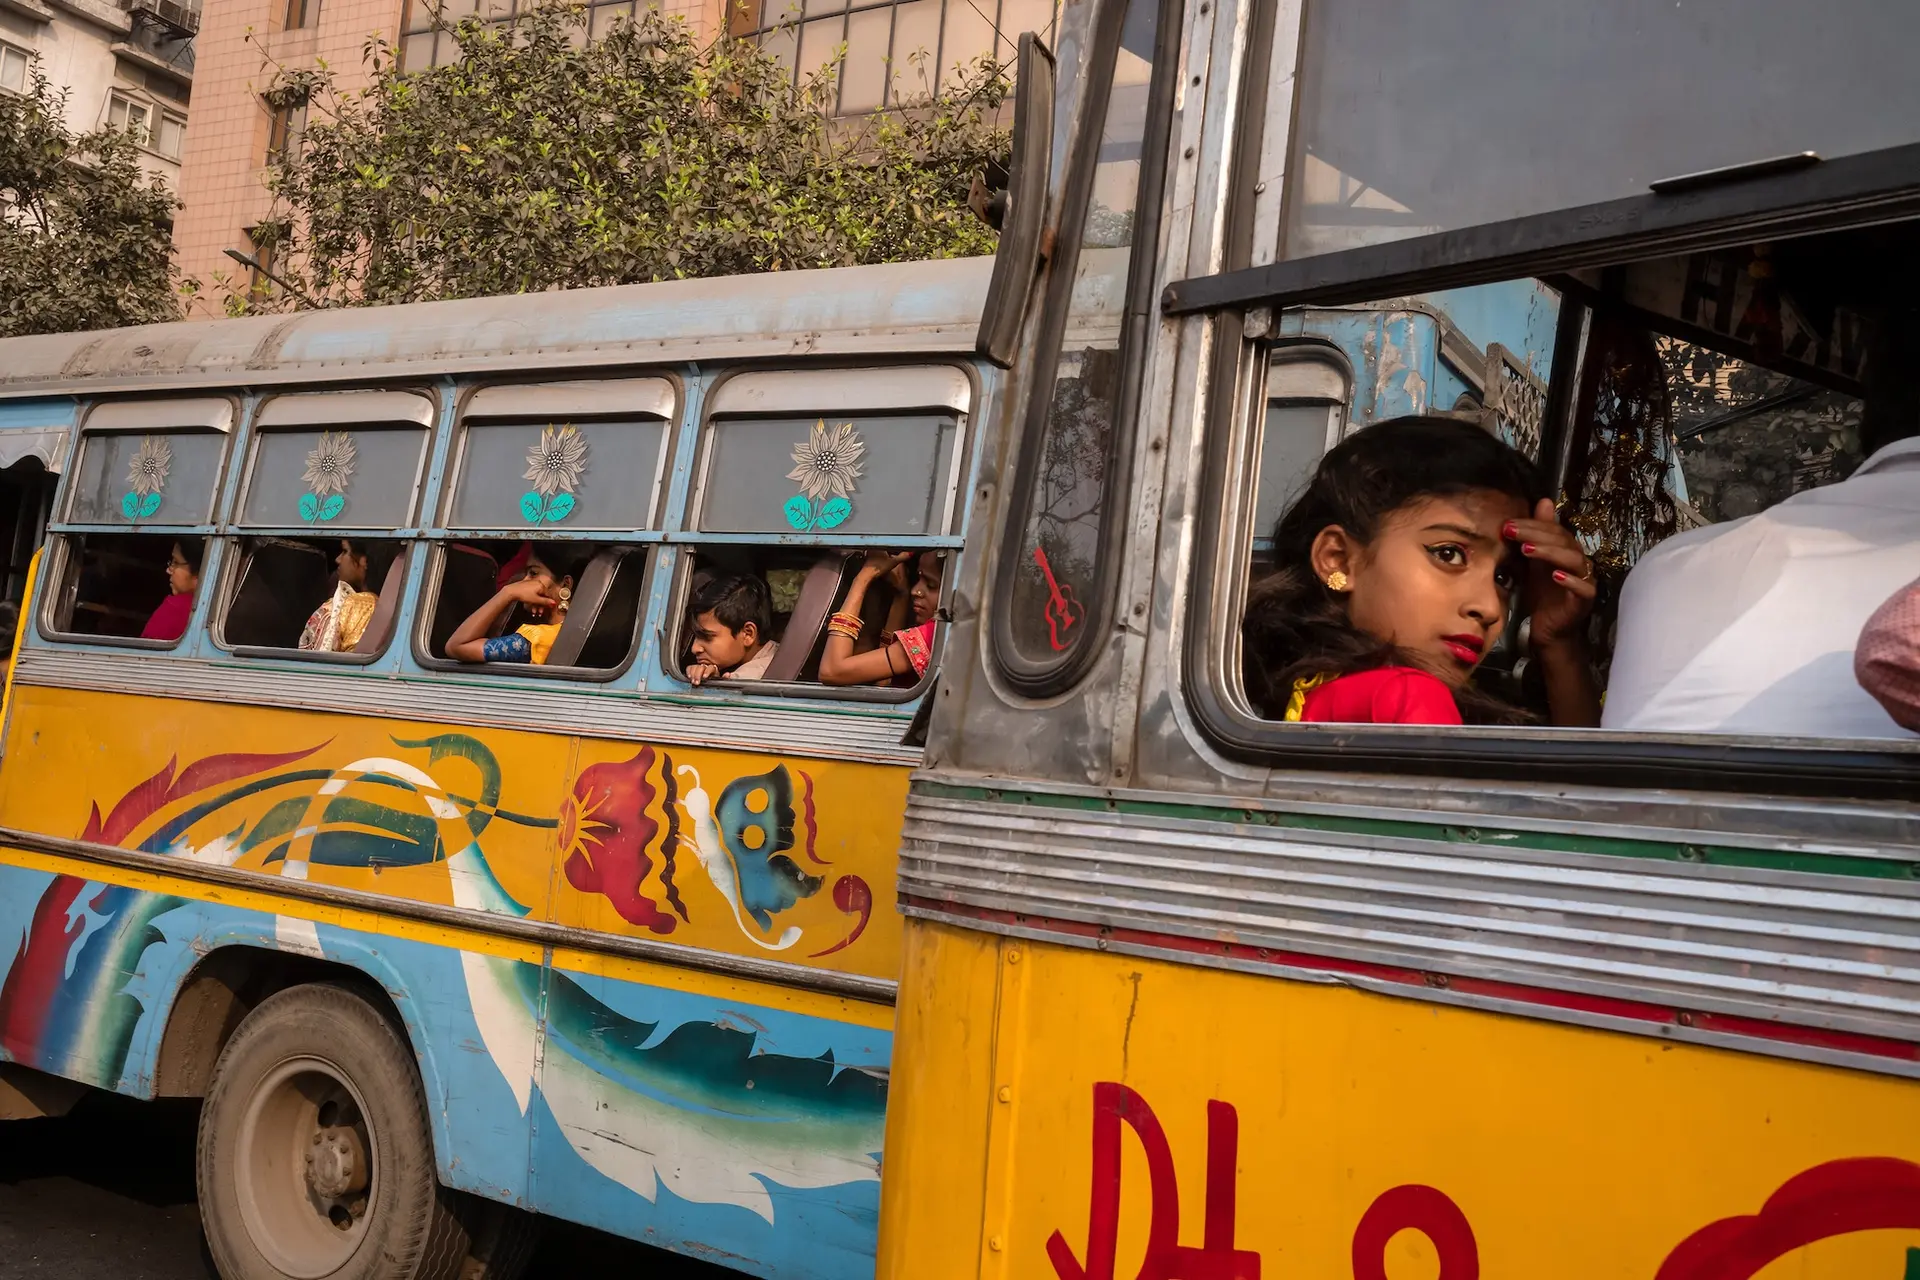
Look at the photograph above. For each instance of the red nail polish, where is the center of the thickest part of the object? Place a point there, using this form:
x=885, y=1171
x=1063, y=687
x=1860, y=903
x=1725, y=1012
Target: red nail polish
x=1509, y=530
x=1559, y=575
x=1526, y=548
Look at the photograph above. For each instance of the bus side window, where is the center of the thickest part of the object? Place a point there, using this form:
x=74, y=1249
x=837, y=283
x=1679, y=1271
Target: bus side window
x=792, y=498
x=121, y=584
x=327, y=475
x=131, y=525
x=555, y=487
x=1307, y=392
x=315, y=595
x=1732, y=481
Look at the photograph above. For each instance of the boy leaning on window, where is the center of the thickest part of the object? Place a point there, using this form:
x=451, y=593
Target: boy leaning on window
x=731, y=618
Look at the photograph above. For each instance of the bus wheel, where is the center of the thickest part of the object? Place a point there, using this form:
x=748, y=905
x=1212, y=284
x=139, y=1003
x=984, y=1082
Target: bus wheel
x=315, y=1157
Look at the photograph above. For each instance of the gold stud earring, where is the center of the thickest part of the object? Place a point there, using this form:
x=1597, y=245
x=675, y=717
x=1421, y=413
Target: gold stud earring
x=564, y=595
x=1336, y=581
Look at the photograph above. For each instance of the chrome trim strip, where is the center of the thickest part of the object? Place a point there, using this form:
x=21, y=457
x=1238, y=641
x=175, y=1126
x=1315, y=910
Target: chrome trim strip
x=1788, y=824
x=1834, y=952
x=750, y=968
x=483, y=702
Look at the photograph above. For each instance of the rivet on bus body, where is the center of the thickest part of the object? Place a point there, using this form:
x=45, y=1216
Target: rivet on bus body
x=993, y=1243
x=1013, y=956
x=1006, y=1094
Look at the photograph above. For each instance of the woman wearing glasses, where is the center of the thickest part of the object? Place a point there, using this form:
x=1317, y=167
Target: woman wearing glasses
x=169, y=621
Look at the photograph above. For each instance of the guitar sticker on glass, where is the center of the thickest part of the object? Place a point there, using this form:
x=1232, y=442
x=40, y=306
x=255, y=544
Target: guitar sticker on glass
x=148, y=476
x=329, y=470
x=1064, y=611
x=827, y=465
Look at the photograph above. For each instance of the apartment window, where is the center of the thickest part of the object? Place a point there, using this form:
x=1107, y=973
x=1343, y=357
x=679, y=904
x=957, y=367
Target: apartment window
x=897, y=50
x=426, y=33
x=261, y=240
x=288, y=125
x=171, y=134
x=14, y=62
x=135, y=118
x=302, y=13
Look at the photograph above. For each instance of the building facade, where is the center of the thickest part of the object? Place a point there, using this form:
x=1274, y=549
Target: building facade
x=128, y=65
x=894, y=50
x=125, y=65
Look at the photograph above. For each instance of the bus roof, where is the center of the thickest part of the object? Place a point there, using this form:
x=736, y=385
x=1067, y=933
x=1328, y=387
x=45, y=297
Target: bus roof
x=902, y=308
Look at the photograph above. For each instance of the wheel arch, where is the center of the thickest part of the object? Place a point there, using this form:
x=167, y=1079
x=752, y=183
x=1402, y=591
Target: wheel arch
x=231, y=980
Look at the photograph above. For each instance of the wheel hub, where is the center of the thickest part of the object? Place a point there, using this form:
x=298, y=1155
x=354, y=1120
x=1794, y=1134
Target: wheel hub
x=305, y=1171
x=336, y=1163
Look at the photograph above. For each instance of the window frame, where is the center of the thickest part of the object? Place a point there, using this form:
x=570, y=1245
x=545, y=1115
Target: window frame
x=796, y=393
x=642, y=542
x=143, y=138
x=177, y=120
x=1049, y=678
x=235, y=531
x=231, y=565
x=655, y=529
x=216, y=414
x=1866, y=769
x=27, y=58
x=257, y=429
x=429, y=598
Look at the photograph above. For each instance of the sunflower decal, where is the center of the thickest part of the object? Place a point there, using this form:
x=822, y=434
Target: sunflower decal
x=329, y=469
x=555, y=464
x=827, y=465
x=147, y=473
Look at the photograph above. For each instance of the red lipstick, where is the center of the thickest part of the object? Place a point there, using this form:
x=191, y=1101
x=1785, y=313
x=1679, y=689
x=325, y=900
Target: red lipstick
x=1465, y=649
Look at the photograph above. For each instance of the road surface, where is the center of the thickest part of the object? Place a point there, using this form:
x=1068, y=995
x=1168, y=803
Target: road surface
x=107, y=1194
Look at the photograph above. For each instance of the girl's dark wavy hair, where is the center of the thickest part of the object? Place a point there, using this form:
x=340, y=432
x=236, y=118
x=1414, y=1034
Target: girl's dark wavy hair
x=1295, y=627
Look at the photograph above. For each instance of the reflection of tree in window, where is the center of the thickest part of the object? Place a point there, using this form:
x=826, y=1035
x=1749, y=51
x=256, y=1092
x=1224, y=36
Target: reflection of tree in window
x=1071, y=485
x=1622, y=505
x=1750, y=437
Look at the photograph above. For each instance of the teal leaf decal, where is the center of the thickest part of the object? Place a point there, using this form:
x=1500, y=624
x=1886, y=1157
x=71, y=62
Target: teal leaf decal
x=130, y=505
x=309, y=507
x=560, y=508
x=799, y=511
x=332, y=507
x=834, y=513
x=532, y=506
x=149, y=505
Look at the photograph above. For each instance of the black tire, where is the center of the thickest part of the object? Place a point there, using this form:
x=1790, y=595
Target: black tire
x=317, y=1070
x=504, y=1239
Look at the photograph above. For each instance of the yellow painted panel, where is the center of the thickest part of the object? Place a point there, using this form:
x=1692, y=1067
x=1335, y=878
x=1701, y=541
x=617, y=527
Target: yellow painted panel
x=774, y=857
x=827, y=901
x=1527, y=1147
x=939, y=1105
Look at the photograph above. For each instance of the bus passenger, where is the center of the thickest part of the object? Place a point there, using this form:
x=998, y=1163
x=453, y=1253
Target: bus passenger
x=730, y=618
x=1886, y=662
x=538, y=581
x=901, y=653
x=337, y=625
x=169, y=621
x=1750, y=626
x=1394, y=575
